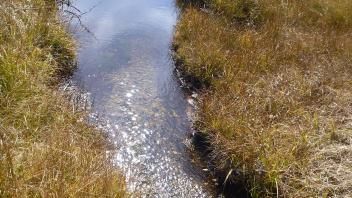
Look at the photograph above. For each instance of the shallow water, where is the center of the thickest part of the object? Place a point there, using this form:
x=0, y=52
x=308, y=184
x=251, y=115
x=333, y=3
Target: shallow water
x=125, y=65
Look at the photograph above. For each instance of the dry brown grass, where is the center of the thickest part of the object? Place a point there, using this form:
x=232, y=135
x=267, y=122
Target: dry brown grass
x=46, y=148
x=278, y=107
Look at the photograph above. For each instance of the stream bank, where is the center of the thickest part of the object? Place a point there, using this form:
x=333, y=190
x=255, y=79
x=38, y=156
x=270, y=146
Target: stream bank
x=276, y=76
x=45, y=148
x=226, y=185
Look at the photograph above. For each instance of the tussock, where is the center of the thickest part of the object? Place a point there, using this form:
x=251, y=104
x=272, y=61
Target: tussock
x=46, y=149
x=278, y=104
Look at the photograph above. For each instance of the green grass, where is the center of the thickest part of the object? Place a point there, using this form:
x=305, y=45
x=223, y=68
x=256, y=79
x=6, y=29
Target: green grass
x=46, y=148
x=277, y=104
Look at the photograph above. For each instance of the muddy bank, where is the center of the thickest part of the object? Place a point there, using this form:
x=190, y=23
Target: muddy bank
x=225, y=178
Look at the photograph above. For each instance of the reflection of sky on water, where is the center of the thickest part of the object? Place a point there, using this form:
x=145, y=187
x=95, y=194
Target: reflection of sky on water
x=110, y=17
x=129, y=73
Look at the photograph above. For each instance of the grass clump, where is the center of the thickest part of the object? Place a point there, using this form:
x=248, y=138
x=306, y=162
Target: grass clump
x=46, y=148
x=277, y=108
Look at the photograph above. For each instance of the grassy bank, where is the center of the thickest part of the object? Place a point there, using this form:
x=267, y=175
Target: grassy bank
x=46, y=149
x=277, y=97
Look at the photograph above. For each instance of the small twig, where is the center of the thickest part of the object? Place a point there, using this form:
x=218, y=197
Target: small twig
x=78, y=17
x=277, y=189
x=92, y=8
x=228, y=175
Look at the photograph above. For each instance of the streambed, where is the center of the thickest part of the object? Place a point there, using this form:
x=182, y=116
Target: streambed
x=126, y=68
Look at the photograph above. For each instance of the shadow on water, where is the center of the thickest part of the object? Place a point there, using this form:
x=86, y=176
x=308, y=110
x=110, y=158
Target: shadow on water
x=126, y=67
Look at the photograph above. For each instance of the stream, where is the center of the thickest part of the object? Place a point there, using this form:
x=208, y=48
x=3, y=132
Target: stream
x=126, y=68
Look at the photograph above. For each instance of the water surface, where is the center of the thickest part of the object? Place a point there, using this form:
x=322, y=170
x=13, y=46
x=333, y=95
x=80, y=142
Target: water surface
x=125, y=65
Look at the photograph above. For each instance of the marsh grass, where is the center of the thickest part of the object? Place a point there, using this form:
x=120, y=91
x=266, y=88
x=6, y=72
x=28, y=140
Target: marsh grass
x=47, y=150
x=277, y=108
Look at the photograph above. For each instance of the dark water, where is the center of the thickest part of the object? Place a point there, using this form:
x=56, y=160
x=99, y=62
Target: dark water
x=125, y=65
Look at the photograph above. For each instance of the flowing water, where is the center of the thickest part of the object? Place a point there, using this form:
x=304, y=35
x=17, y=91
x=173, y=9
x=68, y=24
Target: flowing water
x=125, y=65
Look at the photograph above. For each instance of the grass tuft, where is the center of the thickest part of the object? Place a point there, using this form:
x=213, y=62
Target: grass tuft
x=278, y=104
x=46, y=148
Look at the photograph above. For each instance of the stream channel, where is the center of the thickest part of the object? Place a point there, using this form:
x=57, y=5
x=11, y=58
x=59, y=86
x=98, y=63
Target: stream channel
x=126, y=68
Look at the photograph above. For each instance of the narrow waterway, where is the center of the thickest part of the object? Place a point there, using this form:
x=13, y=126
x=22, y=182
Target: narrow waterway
x=125, y=66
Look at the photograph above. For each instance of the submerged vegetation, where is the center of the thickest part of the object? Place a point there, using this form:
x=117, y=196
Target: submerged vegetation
x=46, y=148
x=277, y=99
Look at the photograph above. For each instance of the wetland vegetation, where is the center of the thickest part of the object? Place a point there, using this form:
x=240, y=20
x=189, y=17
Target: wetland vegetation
x=275, y=98
x=47, y=150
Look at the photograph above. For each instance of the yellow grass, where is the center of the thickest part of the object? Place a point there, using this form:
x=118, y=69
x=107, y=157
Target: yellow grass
x=278, y=100
x=46, y=148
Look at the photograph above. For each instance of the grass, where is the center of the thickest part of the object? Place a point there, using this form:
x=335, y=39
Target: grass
x=47, y=150
x=276, y=103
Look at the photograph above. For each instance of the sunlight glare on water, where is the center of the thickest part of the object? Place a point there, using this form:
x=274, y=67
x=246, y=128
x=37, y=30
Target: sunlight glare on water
x=125, y=65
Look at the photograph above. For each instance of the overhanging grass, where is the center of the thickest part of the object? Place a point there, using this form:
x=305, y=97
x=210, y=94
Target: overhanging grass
x=278, y=105
x=46, y=149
